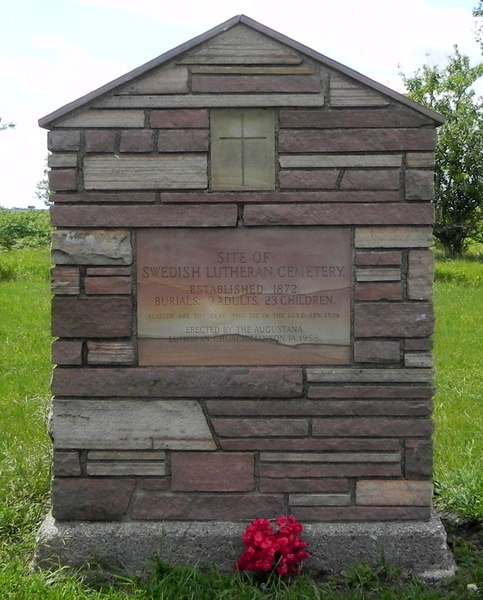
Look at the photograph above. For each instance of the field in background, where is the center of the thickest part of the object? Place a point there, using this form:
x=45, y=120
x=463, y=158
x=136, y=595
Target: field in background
x=25, y=446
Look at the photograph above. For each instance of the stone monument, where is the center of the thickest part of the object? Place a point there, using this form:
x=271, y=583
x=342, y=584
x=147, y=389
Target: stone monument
x=242, y=310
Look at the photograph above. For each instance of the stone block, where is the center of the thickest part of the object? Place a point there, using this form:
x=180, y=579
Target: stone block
x=419, y=185
x=183, y=140
x=179, y=382
x=418, y=359
x=304, y=444
x=206, y=507
x=91, y=247
x=361, y=513
x=378, y=291
x=302, y=470
x=367, y=375
x=316, y=119
x=393, y=493
x=107, y=285
x=381, y=258
x=260, y=427
x=62, y=180
x=212, y=472
x=136, y=140
x=91, y=317
x=169, y=80
x=232, y=84
x=330, y=457
x=181, y=118
x=87, y=499
x=304, y=179
x=374, y=179
x=376, y=351
x=360, y=427
x=98, y=140
x=123, y=469
x=63, y=141
x=122, y=455
x=319, y=500
x=404, y=319
x=66, y=464
x=369, y=391
x=299, y=485
x=345, y=92
x=130, y=425
x=104, y=118
x=378, y=274
x=109, y=353
x=62, y=160
x=393, y=237
x=105, y=197
x=288, y=161
x=418, y=458
x=108, y=271
x=424, y=160
x=418, y=344
x=65, y=280
x=66, y=352
x=420, y=274
x=250, y=197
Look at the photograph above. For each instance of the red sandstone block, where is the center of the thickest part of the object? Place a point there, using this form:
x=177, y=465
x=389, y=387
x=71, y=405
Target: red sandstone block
x=63, y=179
x=405, y=319
x=66, y=464
x=418, y=461
x=100, y=140
x=338, y=214
x=107, y=285
x=136, y=140
x=377, y=351
x=236, y=84
x=318, y=119
x=418, y=344
x=281, y=197
x=369, y=391
x=378, y=291
x=317, y=470
x=372, y=179
x=99, y=197
x=361, y=513
x=88, y=499
x=291, y=485
x=63, y=140
x=385, y=258
x=359, y=427
x=206, y=507
x=212, y=472
x=66, y=353
x=65, y=280
x=356, y=140
x=91, y=317
x=183, y=118
x=178, y=382
x=156, y=484
x=324, y=179
x=209, y=215
x=260, y=427
x=183, y=140
x=108, y=271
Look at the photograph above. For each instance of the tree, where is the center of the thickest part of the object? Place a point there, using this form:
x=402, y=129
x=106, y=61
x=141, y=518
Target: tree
x=478, y=13
x=42, y=190
x=459, y=151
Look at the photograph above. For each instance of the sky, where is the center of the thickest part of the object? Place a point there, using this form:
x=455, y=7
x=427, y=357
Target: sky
x=54, y=51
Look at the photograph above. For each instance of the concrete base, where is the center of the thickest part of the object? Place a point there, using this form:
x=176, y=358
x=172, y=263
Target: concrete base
x=418, y=547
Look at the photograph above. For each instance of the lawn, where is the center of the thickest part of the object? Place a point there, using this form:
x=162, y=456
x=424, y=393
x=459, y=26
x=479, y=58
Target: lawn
x=25, y=456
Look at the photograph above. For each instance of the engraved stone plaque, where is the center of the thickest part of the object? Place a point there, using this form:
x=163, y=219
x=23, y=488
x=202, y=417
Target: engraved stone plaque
x=277, y=296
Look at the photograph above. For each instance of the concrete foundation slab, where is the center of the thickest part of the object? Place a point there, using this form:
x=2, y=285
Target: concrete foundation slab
x=418, y=547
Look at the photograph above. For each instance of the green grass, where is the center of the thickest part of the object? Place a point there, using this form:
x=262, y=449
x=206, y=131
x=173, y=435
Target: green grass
x=25, y=459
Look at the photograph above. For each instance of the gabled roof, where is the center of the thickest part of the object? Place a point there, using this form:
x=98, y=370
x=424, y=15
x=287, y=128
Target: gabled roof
x=86, y=100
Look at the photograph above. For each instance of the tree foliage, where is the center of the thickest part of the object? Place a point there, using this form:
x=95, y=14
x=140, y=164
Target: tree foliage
x=4, y=126
x=478, y=13
x=459, y=152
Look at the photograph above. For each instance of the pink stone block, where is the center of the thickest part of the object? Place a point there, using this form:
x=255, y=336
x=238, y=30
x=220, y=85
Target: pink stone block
x=212, y=472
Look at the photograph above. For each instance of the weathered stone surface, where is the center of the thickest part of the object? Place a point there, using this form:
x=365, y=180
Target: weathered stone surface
x=198, y=101
x=63, y=179
x=420, y=274
x=120, y=455
x=378, y=274
x=385, y=257
x=277, y=470
x=319, y=499
x=376, y=351
x=205, y=382
x=108, y=271
x=62, y=160
x=356, y=140
x=100, y=197
x=361, y=513
x=309, y=444
x=394, y=237
x=260, y=427
x=107, y=285
x=208, y=215
x=184, y=118
x=251, y=70
x=206, y=507
x=66, y=464
x=420, y=160
x=316, y=119
x=91, y=317
x=65, y=280
x=136, y=140
x=330, y=457
x=405, y=319
x=372, y=427
x=104, y=118
x=418, y=344
x=145, y=172
x=249, y=197
x=123, y=469
x=394, y=493
x=303, y=179
x=418, y=458
x=378, y=291
x=346, y=92
x=99, y=140
x=219, y=84
x=212, y=472
x=288, y=161
x=294, y=484
x=129, y=424
x=374, y=179
x=419, y=185
x=418, y=359
x=370, y=391
x=63, y=140
x=183, y=140
x=117, y=353
x=169, y=80
x=337, y=214
x=66, y=353
x=389, y=375
x=95, y=247
x=86, y=499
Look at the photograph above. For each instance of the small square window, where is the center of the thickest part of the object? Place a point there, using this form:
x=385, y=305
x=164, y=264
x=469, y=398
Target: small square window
x=243, y=149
